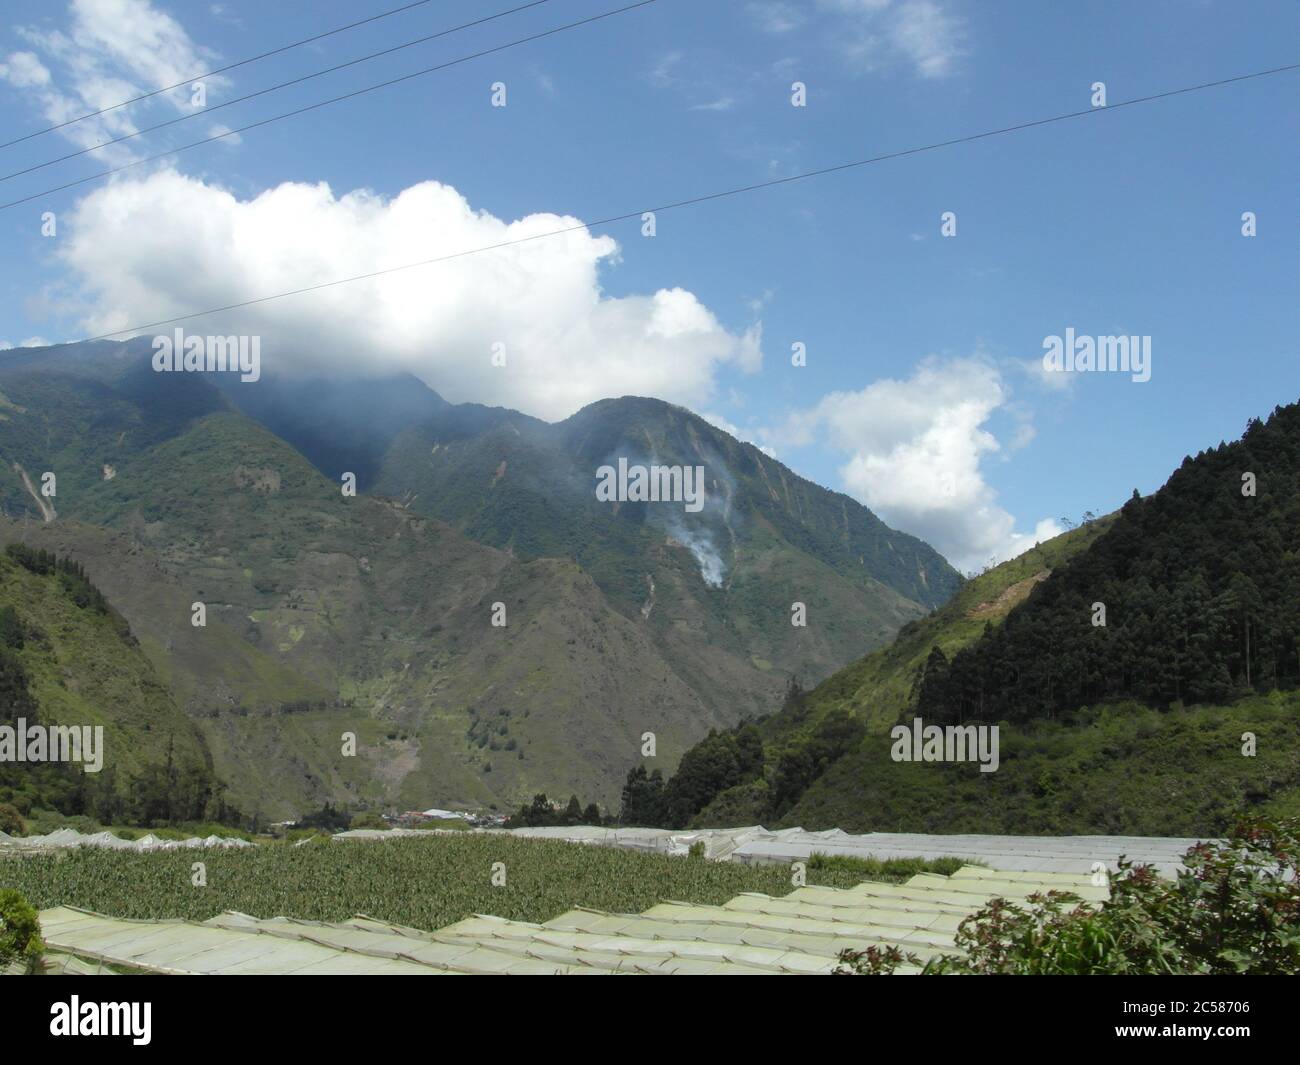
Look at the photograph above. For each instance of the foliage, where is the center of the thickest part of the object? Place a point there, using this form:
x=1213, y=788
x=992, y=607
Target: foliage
x=1116, y=770
x=725, y=762
x=12, y=635
x=888, y=870
x=540, y=813
x=1138, y=726
x=20, y=932
x=874, y=961
x=416, y=881
x=11, y=821
x=1201, y=589
x=875, y=691
x=643, y=798
x=719, y=761
x=803, y=762
x=1233, y=909
x=327, y=818
x=71, y=574
x=64, y=660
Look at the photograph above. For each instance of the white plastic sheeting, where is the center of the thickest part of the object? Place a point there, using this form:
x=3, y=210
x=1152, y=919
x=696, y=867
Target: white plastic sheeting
x=802, y=932
x=66, y=837
x=1060, y=854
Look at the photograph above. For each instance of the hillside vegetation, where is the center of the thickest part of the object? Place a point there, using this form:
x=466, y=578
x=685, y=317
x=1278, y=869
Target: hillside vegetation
x=1200, y=585
x=421, y=883
x=371, y=615
x=1172, y=718
x=67, y=658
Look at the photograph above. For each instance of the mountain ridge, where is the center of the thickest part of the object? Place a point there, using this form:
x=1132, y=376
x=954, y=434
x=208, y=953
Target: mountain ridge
x=372, y=614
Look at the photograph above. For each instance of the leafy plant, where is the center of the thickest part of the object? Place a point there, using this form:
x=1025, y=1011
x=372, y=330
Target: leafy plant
x=11, y=821
x=1233, y=909
x=421, y=882
x=20, y=932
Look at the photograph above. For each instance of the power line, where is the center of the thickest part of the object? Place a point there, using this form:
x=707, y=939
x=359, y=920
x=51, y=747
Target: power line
x=326, y=103
x=219, y=70
x=705, y=198
x=275, y=88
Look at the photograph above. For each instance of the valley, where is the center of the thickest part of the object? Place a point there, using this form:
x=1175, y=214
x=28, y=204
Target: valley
x=373, y=614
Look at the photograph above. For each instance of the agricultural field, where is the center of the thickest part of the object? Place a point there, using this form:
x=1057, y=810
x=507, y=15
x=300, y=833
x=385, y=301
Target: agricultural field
x=424, y=883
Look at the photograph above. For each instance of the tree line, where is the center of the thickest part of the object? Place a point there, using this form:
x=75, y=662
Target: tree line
x=1192, y=596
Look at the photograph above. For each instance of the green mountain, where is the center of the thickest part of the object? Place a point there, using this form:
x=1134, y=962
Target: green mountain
x=68, y=659
x=1179, y=711
x=329, y=614
x=1192, y=596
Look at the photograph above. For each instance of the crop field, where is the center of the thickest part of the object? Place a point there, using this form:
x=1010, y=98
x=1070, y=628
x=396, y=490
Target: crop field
x=417, y=882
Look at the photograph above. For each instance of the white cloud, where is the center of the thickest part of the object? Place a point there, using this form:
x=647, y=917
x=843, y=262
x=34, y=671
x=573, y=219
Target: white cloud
x=1025, y=434
x=138, y=37
x=724, y=103
x=24, y=70
x=223, y=12
x=220, y=129
x=1051, y=380
x=872, y=34
x=915, y=449
x=665, y=72
x=111, y=51
x=930, y=37
x=704, y=81
x=168, y=244
x=719, y=422
x=775, y=16
x=745, y=436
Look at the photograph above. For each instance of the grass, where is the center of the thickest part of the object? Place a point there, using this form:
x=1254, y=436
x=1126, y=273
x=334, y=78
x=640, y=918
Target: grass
x=1119, y=769
x=424, y=883
x=888, y=870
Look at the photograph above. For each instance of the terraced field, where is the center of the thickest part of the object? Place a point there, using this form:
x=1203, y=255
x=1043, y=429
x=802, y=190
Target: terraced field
x=425, y=883
x=803, y=932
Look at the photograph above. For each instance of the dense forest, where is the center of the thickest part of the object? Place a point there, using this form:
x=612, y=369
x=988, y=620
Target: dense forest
x=1192, y=596
x=1134, y=655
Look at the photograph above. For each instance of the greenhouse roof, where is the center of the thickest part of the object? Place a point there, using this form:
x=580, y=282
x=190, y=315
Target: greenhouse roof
x=802, y=932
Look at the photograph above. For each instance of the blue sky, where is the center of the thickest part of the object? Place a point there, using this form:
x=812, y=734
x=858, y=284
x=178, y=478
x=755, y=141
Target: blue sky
x=923, y=394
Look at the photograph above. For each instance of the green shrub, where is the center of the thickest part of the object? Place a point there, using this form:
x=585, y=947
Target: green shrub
x=20, y=932
x=11, y=821
x=368, y=820
x=889, y=870
x=1233, y=909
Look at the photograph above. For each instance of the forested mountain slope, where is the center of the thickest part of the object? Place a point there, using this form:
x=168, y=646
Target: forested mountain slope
x=68, y=658
x=1200, y=586
x=1178, y=712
